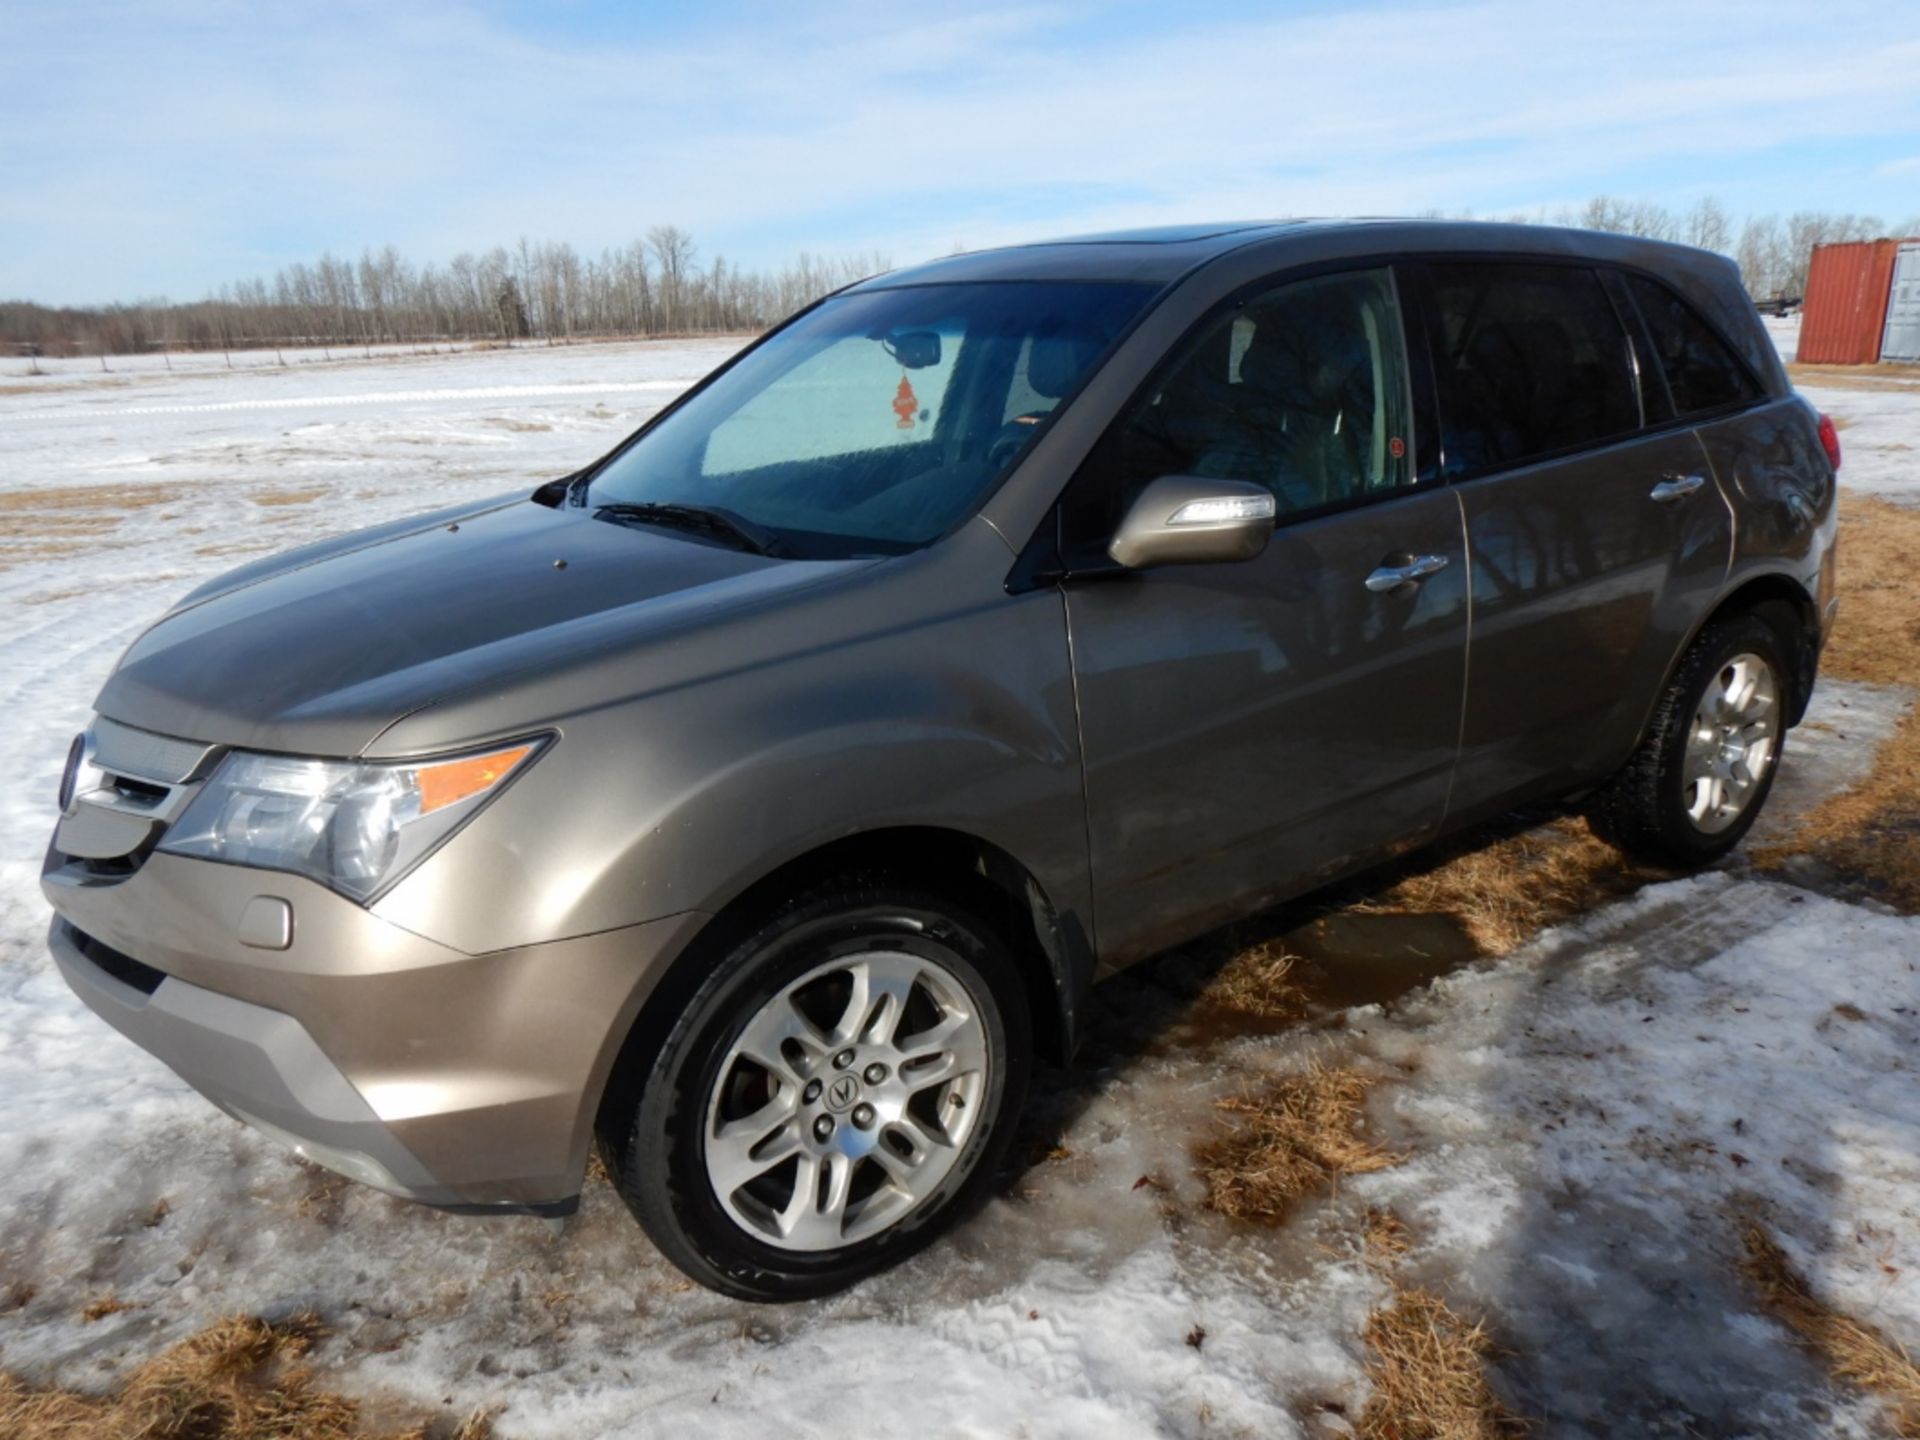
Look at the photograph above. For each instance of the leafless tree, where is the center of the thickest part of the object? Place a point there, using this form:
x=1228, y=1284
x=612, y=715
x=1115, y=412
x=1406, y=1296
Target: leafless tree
x=672, y=250
x=1708, y=226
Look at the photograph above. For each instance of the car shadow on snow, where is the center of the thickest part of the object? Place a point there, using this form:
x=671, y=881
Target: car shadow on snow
x=1625, y=1117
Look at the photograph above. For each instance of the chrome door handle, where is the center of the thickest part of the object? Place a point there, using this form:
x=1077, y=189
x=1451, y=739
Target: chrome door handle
x=1675, y=487
x=1392, y=577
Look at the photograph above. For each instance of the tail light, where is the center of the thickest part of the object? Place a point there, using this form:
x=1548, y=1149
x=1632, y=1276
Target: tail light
x=1830, y=441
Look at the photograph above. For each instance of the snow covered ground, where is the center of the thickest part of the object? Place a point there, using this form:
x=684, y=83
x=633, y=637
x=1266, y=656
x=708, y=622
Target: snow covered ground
x=1582, y=1123
x=205, y=362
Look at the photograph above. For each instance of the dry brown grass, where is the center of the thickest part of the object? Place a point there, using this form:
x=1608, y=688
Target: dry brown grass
x=1870, y=835
x=46, y=523
x=1506, y=891
x=1259, y=981
x=1878, y=634
x=1852, y=1352
x=240, y=1379
x=1856, y=377
x=65, y=522
x=1427, y=1365
x=1298, y=1137
x=103, y=1307
x=287, y=497
x=13, y=548
x=1429, y=1374
x=1385, y=1238
x=88, y=497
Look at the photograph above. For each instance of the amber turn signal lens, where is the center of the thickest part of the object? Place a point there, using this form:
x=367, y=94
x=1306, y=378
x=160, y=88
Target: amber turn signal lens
x=454, y=780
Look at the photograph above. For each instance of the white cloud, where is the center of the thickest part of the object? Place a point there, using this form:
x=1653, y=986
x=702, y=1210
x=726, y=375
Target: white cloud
x=151, y=152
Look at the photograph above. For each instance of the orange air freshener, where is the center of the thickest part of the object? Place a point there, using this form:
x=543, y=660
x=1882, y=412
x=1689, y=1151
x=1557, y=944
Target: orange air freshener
x=905, y=404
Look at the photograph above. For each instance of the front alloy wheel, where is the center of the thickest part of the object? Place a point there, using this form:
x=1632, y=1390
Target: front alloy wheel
x=836, y=1090
x=846, y=1100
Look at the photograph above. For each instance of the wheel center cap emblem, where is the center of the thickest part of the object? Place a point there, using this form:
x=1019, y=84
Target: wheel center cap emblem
x=842, y=1093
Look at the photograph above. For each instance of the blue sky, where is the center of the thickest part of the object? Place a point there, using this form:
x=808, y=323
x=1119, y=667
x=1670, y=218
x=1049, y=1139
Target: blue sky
x=151, y=149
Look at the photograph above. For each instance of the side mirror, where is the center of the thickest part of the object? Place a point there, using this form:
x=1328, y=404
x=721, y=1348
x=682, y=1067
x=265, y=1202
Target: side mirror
x=1188, y=520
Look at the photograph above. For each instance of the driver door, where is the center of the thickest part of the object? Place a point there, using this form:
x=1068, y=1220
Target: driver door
x=1249, y=728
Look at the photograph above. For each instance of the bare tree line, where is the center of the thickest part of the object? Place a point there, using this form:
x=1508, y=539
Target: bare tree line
x=535, y=291
x=656, y=285
x=1773, y=253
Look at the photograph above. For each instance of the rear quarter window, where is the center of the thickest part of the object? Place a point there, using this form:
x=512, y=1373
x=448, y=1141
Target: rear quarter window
x=1702, y=372
x=1532, y=360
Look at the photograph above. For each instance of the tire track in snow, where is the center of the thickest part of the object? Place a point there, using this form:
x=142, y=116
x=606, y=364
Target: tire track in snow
x=1043, y=1347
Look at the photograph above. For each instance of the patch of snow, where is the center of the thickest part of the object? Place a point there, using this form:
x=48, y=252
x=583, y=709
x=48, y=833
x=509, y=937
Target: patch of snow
x=1784, y=331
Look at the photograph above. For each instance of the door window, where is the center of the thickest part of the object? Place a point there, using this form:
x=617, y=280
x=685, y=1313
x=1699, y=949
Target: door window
x=1532, y=361
x=1702, y=373
x=1302, y=390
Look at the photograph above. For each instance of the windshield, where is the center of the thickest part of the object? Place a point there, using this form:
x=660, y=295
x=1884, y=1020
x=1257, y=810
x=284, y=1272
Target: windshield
x=877, y=422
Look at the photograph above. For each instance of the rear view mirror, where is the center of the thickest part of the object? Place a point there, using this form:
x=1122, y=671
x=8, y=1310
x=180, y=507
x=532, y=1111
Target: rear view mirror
x=914, y=349
x=1189, y=520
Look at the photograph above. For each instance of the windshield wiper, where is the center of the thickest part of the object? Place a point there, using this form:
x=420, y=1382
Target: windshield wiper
x=706, y=519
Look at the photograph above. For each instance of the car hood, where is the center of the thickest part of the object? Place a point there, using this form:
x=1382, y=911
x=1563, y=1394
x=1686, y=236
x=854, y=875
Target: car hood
x=320, y=651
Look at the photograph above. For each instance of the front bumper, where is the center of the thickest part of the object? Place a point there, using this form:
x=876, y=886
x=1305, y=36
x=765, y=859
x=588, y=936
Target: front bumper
x=465, y=1081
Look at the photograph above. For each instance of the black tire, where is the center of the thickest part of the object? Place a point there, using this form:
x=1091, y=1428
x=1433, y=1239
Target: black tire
x=1642, y=809
x=653, y=1132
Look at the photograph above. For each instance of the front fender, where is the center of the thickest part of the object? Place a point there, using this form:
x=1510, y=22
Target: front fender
x=680, y=800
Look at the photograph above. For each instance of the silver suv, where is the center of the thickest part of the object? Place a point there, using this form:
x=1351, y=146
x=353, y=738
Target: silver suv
x=764, y=797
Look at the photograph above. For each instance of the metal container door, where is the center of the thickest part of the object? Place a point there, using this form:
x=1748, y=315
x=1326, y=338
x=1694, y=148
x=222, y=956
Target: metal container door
x=1902, y=340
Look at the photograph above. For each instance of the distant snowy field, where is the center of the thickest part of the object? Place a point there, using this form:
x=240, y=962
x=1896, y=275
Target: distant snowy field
x=1581, y=1121
x=207, y=362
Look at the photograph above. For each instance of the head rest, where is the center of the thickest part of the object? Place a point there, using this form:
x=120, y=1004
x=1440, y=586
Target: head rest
x=1307, y=366
x=1056, y=362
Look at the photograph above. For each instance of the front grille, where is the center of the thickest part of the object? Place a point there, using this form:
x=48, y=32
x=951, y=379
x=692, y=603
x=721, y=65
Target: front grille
x=124, y=968
x=122, y=750
x=124, y=788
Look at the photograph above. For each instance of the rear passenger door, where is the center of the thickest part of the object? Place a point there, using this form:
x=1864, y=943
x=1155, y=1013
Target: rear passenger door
x=1764, y=449
x=1595, y=541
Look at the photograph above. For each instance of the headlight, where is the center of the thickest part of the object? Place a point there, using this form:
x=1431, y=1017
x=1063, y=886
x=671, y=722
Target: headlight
x=348, y=824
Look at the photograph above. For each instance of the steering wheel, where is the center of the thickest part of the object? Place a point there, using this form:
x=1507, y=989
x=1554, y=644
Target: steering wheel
x=1012, y=438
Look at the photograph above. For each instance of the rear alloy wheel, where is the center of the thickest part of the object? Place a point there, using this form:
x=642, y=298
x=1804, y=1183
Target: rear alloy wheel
x=1696, y=784
x=1730, y=743
x=835, y=1093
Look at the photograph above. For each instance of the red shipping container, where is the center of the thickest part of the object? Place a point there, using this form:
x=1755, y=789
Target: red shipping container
x=1846, y=304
